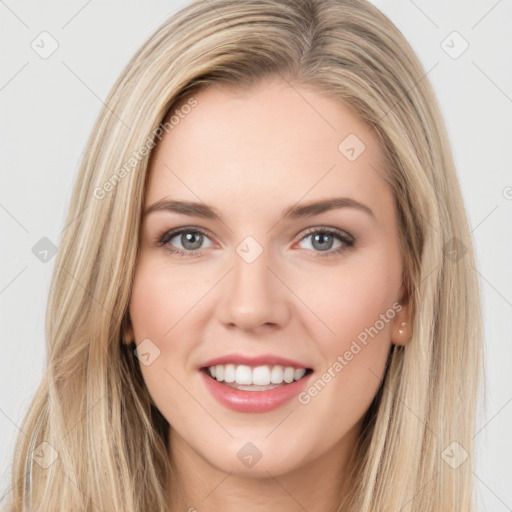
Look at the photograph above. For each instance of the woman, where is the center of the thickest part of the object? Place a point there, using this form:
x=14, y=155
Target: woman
x=265, y=296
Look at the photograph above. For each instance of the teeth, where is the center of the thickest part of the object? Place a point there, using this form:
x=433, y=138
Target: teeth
x=258, y=376
x=299, y=373
x=276, y=377
x=261, y=376
x=229, y=373
x=243, y=374
x=288, y=375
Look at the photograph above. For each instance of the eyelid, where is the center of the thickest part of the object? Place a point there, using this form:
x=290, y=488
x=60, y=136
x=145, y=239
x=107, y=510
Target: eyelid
x=326, y=229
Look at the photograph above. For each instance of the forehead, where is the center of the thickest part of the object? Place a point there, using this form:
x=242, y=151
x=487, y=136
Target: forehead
x=271, y=144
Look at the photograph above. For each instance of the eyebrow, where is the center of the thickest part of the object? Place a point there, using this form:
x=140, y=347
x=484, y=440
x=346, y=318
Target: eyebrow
x=292, y=212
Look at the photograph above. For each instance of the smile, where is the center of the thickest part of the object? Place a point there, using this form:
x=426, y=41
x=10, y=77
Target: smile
x=254, y=389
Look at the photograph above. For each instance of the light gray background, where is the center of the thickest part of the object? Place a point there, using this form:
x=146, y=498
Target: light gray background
x=48, y=107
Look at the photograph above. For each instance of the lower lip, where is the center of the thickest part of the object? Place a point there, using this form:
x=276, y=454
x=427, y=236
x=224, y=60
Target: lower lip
x=253, y=401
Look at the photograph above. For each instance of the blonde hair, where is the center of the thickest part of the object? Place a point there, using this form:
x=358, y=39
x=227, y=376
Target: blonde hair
x=92, y=406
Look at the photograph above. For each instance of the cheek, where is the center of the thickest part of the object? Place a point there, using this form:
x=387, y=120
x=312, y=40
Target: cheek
x=164, y=308
x=359, y=309
x=161, y=298
x=356, y=302
x=351, y=298
x=150, y=307
x=158, y=306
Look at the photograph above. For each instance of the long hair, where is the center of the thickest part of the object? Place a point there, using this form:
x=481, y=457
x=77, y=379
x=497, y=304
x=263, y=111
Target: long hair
x=92, y=415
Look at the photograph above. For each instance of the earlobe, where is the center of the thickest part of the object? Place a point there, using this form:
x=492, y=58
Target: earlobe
x=401, y=332
x=127, y=331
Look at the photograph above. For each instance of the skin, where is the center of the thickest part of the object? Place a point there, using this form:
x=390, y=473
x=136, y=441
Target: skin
x=250, y=154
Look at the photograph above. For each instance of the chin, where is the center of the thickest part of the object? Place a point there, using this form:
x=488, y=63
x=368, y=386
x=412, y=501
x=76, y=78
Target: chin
x=257, y=458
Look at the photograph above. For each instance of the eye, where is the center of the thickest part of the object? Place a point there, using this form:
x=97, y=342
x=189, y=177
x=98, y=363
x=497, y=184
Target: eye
x=189, y=241
x=323, y=240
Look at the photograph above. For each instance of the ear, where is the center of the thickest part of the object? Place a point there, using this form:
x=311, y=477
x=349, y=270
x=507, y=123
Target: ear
x=401, y=329
x=127, y=334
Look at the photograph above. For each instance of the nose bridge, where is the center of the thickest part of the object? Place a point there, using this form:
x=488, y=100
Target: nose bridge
x=254, y=296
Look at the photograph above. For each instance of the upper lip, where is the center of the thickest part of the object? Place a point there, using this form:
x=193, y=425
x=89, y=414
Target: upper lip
x=255, y=360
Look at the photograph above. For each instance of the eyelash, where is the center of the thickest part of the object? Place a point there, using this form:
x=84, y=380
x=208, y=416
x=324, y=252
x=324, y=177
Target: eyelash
x=347, y=240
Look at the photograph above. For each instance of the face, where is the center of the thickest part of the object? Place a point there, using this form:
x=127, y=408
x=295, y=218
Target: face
x=264, y=279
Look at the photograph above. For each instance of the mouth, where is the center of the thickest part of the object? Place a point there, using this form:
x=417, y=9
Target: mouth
x=255, y=388
x=255, y=378
x=254, y=383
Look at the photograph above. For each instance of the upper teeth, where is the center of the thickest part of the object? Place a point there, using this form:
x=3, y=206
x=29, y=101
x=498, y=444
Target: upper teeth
x=259, y=375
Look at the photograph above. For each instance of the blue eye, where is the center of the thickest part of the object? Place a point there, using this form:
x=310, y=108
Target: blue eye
x=323, y=241
x=190, y=240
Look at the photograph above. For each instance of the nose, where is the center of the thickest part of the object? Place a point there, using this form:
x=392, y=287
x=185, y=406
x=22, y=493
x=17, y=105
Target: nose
x=253, y=296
